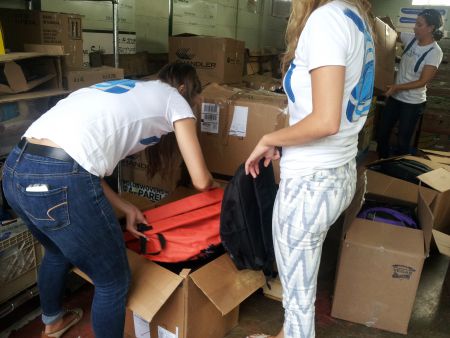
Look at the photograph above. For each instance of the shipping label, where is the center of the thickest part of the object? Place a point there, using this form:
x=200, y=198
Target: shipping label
x=210, y=118
x=239, y=124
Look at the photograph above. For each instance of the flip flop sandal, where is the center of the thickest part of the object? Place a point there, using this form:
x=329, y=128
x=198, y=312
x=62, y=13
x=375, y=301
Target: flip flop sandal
x=77, y=315
x=259, y=335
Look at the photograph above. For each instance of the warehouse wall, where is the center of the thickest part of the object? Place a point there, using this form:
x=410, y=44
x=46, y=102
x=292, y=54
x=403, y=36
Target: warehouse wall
x=392, y=9
x=248, y=20
x=12, y=4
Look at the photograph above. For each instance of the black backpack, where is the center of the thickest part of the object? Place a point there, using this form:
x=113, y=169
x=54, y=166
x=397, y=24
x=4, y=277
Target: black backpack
x=246, y=219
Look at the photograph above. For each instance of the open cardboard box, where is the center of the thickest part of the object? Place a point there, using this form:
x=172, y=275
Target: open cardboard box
x=380, y=264
x=439, y=180
x=201, y=304
x=25, y=71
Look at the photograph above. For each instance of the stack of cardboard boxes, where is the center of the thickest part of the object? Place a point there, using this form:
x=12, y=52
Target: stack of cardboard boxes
x=34, y=31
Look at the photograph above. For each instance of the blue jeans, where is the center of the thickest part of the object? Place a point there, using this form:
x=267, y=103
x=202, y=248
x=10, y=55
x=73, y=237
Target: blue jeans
x=76, y=224
x=407, y=114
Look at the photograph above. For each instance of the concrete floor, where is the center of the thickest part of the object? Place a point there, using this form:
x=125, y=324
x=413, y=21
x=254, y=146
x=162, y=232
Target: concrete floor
x=430, y=318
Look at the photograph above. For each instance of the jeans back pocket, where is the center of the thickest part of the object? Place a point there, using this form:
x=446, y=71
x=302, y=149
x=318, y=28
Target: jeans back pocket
x=48, y=210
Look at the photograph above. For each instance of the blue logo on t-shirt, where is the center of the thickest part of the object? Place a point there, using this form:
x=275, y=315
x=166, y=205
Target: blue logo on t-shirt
x=361, y=96
x=150, y=141
x=116, y=86
x=287, y=83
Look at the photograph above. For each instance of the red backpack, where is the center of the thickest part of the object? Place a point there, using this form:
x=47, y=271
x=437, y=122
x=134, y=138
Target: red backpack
x=182, y=230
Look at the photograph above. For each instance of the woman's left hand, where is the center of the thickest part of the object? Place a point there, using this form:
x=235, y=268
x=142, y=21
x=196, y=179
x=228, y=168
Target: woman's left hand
x=262, y=150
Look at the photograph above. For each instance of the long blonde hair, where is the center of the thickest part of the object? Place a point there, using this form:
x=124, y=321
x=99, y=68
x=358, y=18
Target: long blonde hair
x=301, y=10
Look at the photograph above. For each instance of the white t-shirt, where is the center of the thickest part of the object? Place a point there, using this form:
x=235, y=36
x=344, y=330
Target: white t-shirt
x=102, y=124
x=334, y=34
x=410, y=70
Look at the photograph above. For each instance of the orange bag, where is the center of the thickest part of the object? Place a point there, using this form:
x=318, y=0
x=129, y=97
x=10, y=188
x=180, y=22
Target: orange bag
x=182, y=230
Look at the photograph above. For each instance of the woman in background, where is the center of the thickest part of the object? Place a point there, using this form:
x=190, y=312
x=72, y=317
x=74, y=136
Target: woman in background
x=328, y=77
x=407, y=97
x=53, y=180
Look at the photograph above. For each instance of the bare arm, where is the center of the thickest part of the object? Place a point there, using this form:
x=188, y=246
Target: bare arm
x=428, y=73
x=186, y=134
x=132, y=213
x=327, y=95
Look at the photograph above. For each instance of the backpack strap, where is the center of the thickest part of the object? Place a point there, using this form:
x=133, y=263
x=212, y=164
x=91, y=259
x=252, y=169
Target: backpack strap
x=420, y=60
x=416, y=67
x=376, y=214
x=143, y=241
x=408, y=47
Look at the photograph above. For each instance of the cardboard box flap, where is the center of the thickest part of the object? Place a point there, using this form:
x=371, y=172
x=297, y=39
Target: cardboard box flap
x=438, y=179
x=431, y=164
x=385, y=237
x=436, y=152
x=217, y=92
x=442, y=241
x=17, y=81
x=226, y=286
x=439, y=159
x=380, y=184
x=151, y=286
x=426, y=218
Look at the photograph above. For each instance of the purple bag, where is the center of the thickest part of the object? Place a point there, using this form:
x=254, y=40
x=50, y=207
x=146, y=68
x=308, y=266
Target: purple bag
x=388, y=215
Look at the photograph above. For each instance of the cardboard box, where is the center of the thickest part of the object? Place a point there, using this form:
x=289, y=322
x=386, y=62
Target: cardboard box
x=76, y=79
x=385, y=38
x=380, y=264
x=216, y=59
x=136, y=181
x=264, y=82
x=366, y=134
x=436, y=121
x=201, y=304
x=442, y=157
x=26, y=71
x=134, y=65
x=35, y=27
x=232, y=121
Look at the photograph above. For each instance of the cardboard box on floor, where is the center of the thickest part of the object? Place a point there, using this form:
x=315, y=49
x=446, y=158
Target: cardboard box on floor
x=26, y=71
x=22, y=27
x=232, y=121
x=385, y=38
x=216, y=59
x=201, y=304
x=380, y=264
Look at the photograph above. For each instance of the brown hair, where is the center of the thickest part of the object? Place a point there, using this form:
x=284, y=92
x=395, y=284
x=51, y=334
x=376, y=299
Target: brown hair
x=301, y=10
x=164, y=156
x=433, y=18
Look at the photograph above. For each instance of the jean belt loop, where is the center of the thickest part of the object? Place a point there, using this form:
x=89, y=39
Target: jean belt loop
x=76, y=167
x=22, y=150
